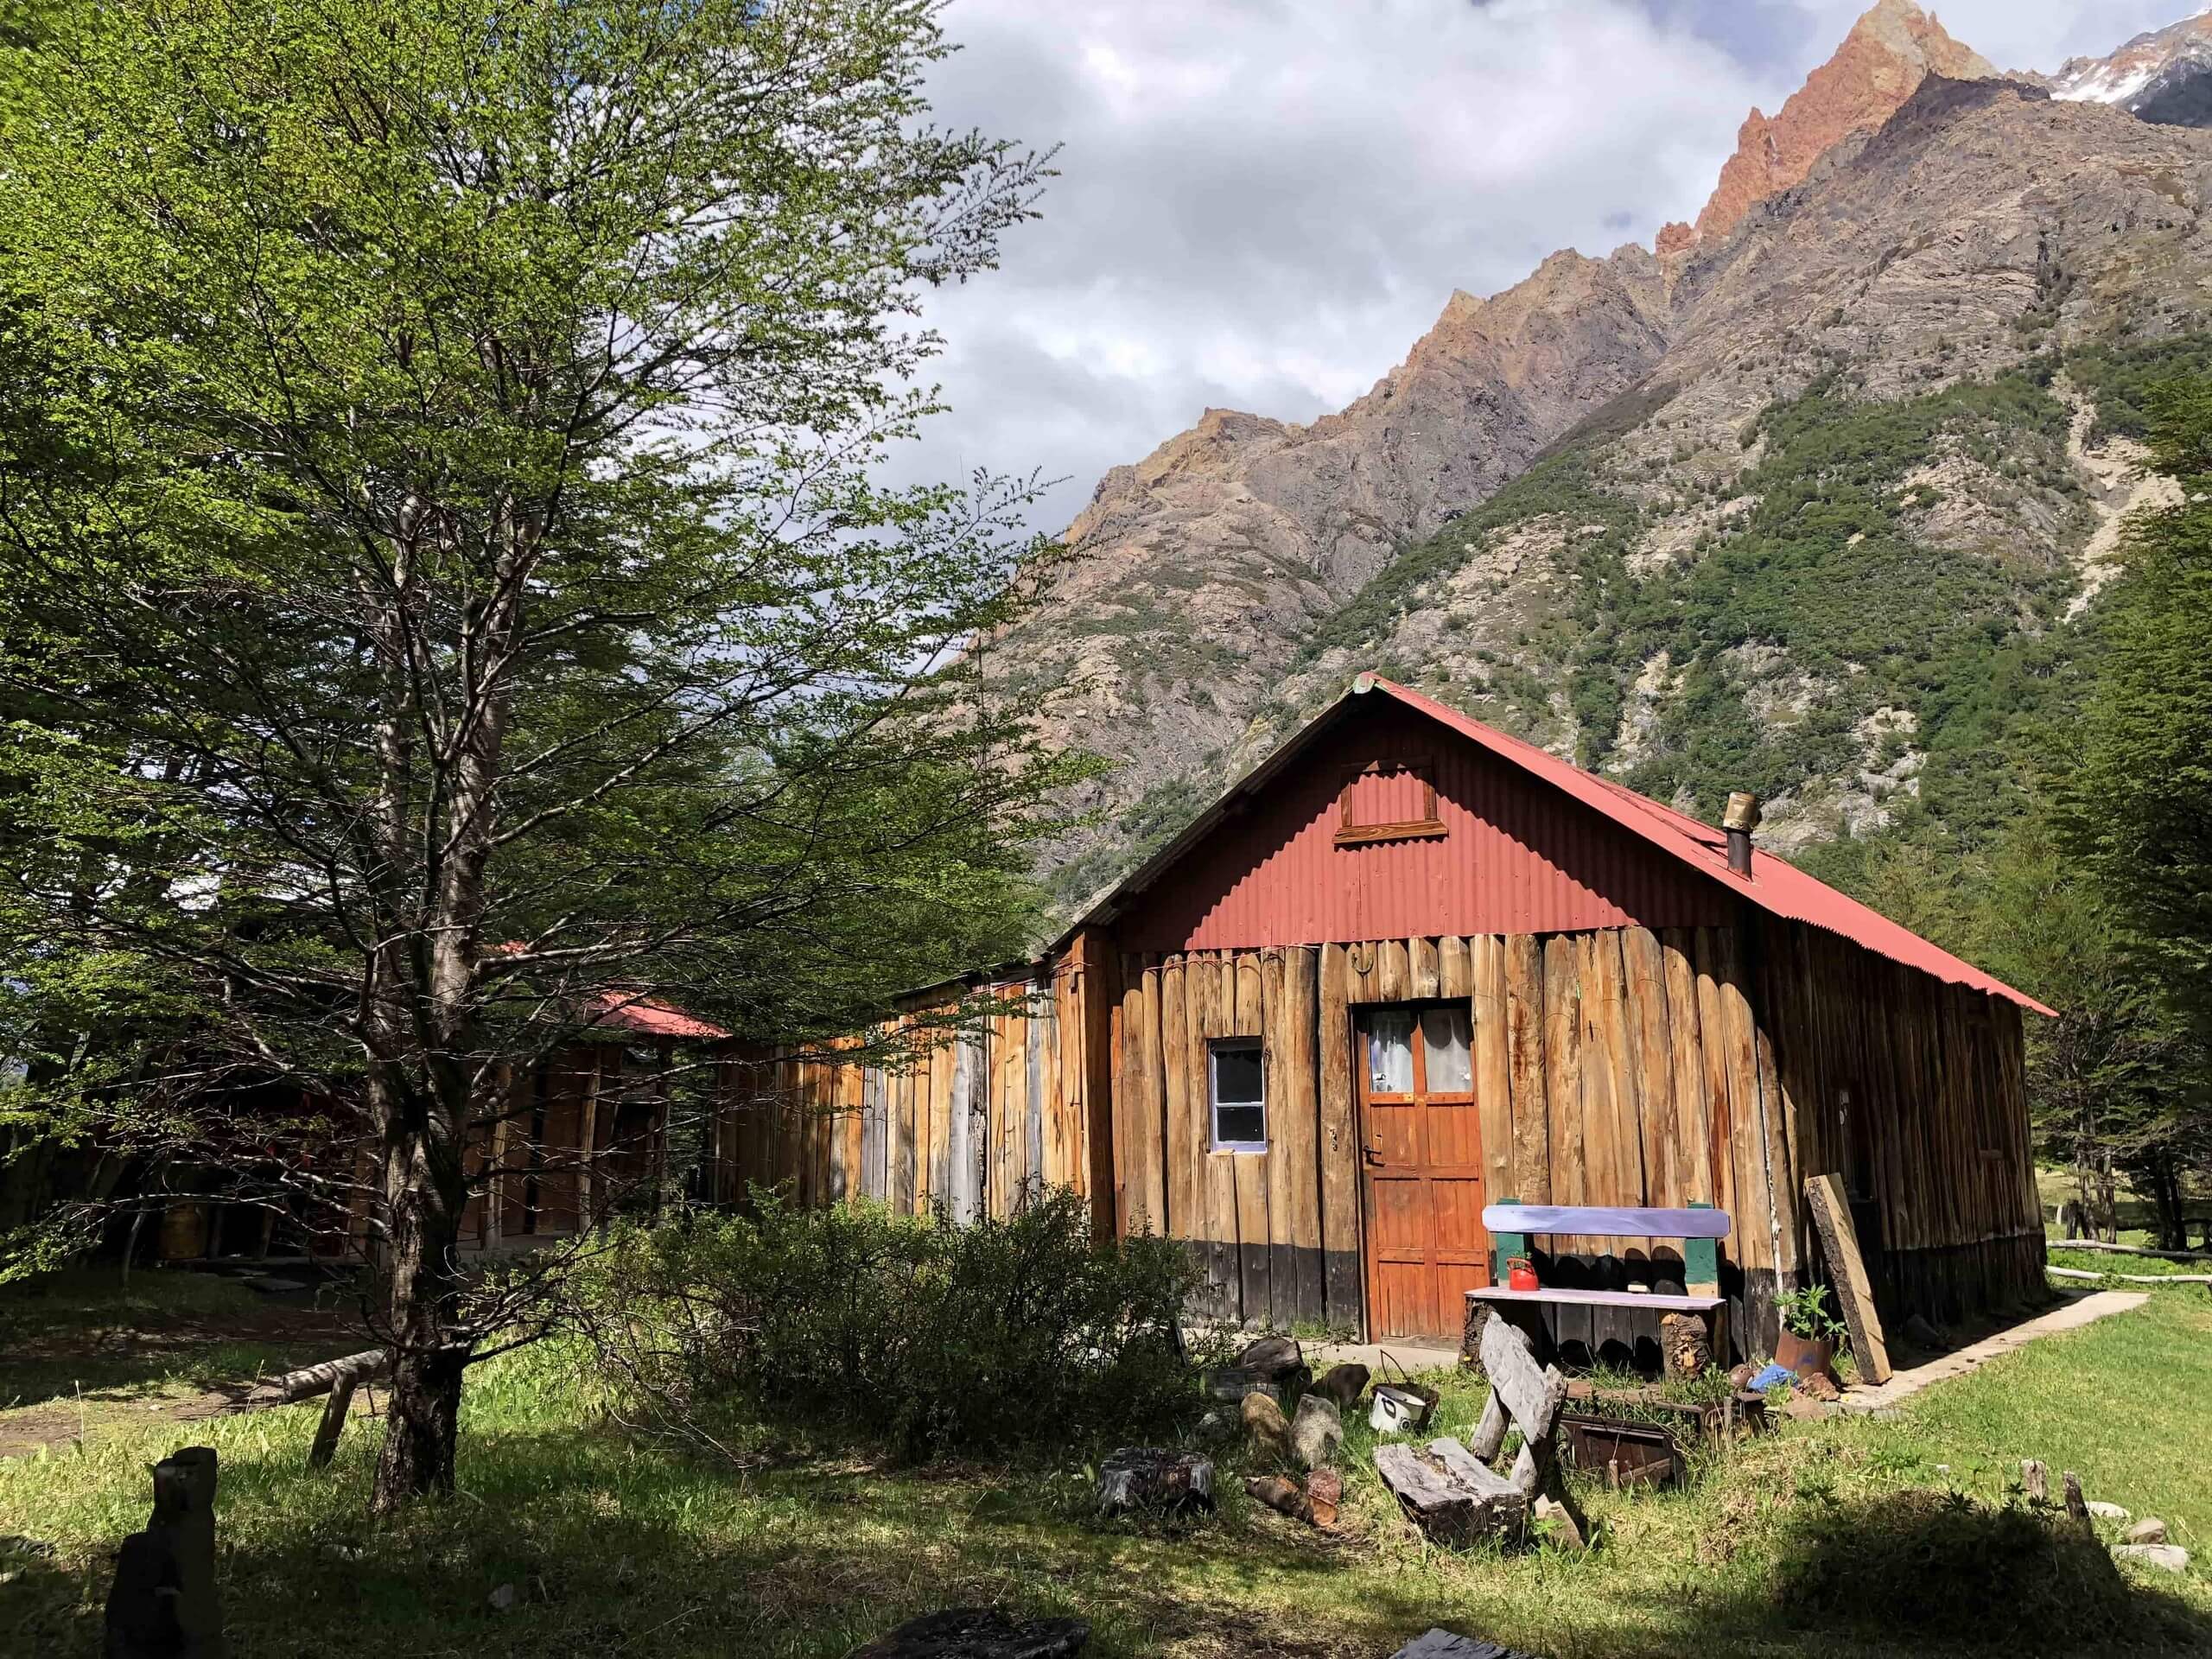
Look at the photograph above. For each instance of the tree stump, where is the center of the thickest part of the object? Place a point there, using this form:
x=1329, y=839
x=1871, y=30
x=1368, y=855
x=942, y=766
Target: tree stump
x=1145, y=1477
x=1686, y=1342
x=163, y=1604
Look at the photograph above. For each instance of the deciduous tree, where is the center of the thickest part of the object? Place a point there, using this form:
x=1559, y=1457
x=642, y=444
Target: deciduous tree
x=446, y=586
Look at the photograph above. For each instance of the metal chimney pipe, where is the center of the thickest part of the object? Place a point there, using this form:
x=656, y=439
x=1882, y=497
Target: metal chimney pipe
x=1742, y=818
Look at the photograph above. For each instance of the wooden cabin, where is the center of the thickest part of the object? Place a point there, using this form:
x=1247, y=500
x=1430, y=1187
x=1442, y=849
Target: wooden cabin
x=1410, y=966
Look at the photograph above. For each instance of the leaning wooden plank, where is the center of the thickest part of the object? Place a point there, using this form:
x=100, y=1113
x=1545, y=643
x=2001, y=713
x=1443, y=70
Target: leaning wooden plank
x=1532, y=1394
x=1490, y=1430
x=334, y=1413
x=1840, y=1242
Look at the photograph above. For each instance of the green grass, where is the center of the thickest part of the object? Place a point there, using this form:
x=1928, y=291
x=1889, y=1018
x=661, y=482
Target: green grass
x=615, y=1543
x=2111, y=1262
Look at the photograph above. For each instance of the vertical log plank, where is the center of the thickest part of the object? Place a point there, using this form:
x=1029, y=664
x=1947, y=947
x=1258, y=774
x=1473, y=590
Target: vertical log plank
x=1526, y=1080
x=1297, y=1140
x=1343, y=1270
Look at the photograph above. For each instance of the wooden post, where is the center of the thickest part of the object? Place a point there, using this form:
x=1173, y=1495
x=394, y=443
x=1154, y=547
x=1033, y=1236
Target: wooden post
x=588, y=1140
x=164, y=1604
x=333, y=1422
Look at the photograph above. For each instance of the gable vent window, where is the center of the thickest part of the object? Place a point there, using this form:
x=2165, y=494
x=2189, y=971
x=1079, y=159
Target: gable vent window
x=1388, y=800
x=1240, y=1102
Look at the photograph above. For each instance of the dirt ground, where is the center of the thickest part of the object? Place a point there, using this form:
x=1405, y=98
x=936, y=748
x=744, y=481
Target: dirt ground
x=75, y=1356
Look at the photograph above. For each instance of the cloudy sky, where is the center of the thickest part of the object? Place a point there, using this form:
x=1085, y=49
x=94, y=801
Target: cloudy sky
x=1262, y=203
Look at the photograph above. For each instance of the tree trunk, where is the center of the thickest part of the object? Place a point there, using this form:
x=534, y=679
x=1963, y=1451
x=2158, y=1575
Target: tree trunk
x=423, y=1193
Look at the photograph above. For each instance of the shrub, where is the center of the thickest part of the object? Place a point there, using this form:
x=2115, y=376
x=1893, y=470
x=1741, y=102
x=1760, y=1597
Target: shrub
x=910, y=1332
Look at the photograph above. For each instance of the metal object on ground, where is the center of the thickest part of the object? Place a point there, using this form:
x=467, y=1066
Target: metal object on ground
x=1626, y=1453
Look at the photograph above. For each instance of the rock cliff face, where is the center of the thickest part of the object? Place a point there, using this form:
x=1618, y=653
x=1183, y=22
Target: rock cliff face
x=1879, y=65
x=1763, y=508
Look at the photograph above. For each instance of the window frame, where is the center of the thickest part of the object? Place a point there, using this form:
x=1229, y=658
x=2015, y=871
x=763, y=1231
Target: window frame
x=1429, y=826
x=1215, y=1048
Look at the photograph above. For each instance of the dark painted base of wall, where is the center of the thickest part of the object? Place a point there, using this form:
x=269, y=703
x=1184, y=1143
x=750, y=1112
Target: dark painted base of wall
x=1282, y=1286
x=1277, y=1287
x=1960, y=1284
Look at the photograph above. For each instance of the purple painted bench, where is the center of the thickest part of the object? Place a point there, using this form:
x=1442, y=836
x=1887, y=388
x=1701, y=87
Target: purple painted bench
x=1699, y=1227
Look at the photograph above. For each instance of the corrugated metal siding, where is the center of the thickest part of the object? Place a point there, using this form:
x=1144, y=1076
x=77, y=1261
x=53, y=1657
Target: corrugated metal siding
x=1518, y=857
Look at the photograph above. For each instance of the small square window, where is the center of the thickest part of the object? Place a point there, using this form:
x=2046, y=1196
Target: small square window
x=1240, y=1107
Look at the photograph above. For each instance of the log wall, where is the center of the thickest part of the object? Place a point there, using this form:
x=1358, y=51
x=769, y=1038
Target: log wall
x=1623, y=1066
x=965, y=1117
x=1619, y=1067
x=1913, y=1091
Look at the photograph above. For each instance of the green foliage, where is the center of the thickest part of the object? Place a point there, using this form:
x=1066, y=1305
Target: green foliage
x=2124, y=379
x=1806, y=1313
x=2143, y=792
x=1824, y=569
x=910, y=1332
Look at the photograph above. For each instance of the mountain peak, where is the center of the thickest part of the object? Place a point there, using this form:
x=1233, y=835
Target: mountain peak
x=1882, y=61
x=2165, y=76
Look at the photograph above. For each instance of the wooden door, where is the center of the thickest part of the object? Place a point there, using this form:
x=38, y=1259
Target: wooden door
x=1422, y=1158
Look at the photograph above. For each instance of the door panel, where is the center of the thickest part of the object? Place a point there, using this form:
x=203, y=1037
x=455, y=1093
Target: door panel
x=1421, y=1151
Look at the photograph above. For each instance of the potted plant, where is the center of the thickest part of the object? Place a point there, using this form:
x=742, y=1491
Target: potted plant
x=1810, y=1332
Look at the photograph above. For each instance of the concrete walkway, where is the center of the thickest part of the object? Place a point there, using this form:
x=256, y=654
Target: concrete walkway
x=1415, y=1356
x=1902, y=1385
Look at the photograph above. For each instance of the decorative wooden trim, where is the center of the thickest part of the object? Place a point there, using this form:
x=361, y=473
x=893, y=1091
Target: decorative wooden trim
x=1428, y=827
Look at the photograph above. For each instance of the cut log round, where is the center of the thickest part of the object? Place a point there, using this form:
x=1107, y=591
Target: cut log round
x=1686, y=1342
x=1145, y=1477
x=1317, y=1433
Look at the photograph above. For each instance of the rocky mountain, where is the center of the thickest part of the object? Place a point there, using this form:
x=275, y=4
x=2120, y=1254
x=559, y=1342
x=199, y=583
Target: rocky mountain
x=1883, y=58
x=2165, y=76
x=1813, y=501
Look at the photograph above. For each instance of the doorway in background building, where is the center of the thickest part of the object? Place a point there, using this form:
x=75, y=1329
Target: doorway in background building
x=1422, y=1161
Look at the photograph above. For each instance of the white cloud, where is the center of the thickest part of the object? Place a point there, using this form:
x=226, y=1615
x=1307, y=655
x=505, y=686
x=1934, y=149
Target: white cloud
x=1262, y=203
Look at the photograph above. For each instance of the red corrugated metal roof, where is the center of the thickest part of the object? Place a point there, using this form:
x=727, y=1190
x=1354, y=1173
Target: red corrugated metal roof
x=1774, y=884
x=650, y=1019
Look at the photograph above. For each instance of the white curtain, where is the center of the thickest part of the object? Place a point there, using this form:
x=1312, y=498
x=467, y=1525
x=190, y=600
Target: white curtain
x=1444, y=1035
x=1390, y=1054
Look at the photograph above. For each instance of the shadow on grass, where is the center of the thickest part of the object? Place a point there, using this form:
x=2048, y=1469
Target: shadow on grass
x=1927, y=1572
